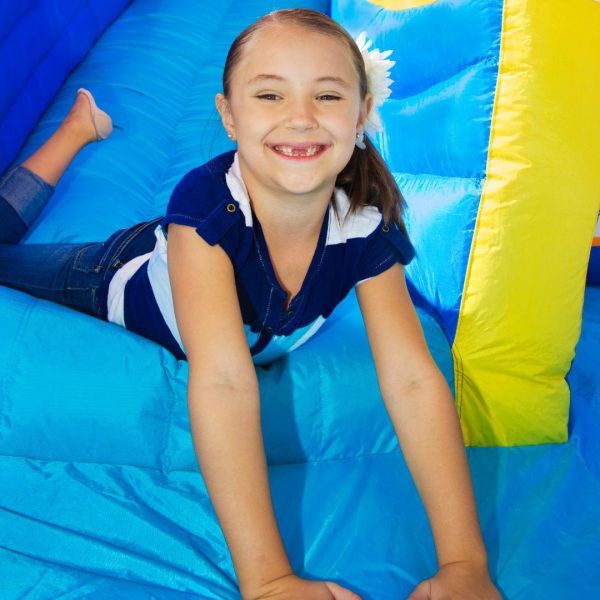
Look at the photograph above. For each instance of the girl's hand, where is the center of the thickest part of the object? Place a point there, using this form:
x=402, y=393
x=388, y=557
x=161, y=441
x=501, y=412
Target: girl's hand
x=457, y=581
x=291, y=587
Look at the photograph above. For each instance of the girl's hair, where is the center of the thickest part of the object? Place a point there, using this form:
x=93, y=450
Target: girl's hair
x=366, y=178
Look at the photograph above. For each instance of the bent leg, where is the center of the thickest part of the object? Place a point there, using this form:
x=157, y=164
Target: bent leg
x=76, y=130
x=25, y=190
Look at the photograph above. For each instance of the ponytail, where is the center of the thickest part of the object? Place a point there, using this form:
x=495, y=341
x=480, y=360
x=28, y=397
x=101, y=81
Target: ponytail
x=368, y=182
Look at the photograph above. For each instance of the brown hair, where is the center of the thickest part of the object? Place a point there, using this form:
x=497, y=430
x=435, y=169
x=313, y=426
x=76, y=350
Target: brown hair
x=366, y=178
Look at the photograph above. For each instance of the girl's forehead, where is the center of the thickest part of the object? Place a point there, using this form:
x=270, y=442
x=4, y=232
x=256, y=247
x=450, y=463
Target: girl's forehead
x=290, y=46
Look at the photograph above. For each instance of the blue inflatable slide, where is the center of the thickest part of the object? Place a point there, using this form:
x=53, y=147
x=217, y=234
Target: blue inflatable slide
x=100, y=491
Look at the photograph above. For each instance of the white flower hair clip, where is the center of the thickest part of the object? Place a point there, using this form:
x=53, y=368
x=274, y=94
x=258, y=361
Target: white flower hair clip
x=378, y=69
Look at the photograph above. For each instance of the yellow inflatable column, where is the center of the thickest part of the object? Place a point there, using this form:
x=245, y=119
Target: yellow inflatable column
x=521, y=308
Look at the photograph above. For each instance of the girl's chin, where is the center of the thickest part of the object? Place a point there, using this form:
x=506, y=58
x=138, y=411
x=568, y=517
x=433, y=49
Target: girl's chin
x=289, y=177
x=303, y=187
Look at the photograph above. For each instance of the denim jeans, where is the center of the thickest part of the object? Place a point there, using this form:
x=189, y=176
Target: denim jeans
x=76, y=275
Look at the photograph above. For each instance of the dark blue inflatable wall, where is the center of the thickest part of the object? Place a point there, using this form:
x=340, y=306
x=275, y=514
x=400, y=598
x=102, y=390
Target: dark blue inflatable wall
x=41, y=42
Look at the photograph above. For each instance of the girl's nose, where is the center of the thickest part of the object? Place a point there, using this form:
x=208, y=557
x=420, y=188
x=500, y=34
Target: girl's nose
x=301, y=116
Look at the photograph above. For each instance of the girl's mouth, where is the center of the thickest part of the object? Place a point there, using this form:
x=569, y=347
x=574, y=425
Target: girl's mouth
x=304, y=151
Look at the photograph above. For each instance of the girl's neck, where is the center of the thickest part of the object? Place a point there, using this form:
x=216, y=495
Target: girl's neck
x=295, y=217
x=291, y=230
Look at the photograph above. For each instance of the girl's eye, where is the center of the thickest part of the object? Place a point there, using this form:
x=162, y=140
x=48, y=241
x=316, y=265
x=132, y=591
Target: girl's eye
x=268, y=97
x=328, y=97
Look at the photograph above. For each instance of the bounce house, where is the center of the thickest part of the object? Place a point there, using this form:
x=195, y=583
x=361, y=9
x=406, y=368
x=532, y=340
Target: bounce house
x=493, y=135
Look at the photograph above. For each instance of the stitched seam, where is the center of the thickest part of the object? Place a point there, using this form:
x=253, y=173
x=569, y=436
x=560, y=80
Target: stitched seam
x=459, y=372
x=77, y=261
x=318, y=267
x=262, y=262
x=132, y=234
x=268, y=312
x=194, y=221
x=114, y=254
x=383, y=262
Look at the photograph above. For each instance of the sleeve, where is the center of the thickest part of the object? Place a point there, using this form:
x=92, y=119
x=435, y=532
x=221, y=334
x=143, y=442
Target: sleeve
x=386, y=246
x=216, y=220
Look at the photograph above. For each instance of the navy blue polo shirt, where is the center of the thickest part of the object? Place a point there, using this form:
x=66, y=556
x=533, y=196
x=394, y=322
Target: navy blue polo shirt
x=352, y=247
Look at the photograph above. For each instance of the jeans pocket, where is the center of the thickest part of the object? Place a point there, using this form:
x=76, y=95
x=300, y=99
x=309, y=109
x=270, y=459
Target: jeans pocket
x=89, y=258
x=128, y=243
x=84, y=278
x=98, y=262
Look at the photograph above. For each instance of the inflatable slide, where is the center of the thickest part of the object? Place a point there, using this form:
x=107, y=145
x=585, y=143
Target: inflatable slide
x=493, y=135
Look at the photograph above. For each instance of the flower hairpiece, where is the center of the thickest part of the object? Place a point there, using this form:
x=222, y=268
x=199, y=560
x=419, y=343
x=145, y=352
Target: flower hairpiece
x=378, y=69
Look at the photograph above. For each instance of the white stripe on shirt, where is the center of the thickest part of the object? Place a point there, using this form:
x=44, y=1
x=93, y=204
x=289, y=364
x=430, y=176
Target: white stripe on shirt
x=116, y=289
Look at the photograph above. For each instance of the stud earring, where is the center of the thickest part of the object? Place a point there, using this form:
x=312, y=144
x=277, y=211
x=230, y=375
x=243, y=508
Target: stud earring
x=360, y=139
x=230, y=135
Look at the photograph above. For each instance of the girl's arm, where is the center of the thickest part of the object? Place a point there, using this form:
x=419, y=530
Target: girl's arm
x=224, y=408
x=223, y=401
x=422, y=411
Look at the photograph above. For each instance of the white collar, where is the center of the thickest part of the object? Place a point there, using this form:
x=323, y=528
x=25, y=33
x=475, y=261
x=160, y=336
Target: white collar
x=239, y=193
x=238, y=190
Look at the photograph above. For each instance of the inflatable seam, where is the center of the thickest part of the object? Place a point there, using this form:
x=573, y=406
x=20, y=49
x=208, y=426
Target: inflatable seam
x=35, y=67
x=458, y=364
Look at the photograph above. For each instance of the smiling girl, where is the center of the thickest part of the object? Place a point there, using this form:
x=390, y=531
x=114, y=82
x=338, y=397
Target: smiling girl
x=256, y=249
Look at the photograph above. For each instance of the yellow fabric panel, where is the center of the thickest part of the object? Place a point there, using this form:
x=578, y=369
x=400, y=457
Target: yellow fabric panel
x=401, y=4
x=521, y=309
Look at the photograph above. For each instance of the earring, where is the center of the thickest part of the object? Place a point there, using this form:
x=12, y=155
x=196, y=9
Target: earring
x=360, y=139
x=230, y=135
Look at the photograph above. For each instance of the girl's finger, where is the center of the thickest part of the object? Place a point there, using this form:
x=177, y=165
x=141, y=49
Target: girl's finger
x=340, y=593
x=421, y=592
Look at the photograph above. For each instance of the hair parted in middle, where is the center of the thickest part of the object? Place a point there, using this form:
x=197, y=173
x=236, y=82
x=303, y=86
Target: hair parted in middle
x=366, y=178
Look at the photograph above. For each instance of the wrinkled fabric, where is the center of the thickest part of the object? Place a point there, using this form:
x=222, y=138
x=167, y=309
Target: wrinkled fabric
x=100, y=492
x=41, y=41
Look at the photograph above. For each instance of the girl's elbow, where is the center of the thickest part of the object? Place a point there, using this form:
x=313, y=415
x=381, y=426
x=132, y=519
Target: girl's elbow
x=237, y=377
x=428, y=382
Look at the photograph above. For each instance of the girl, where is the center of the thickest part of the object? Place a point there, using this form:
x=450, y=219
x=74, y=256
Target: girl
x=283, y=228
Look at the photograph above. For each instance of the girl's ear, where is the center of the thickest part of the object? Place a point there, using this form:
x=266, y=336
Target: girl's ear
x=224, y=109
x=365, y=109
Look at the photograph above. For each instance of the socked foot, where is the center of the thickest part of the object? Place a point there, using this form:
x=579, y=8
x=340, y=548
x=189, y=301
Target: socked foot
x=80, y=123
x=77, y=129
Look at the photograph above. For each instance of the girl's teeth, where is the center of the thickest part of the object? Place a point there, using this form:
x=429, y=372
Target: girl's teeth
x=291, y=151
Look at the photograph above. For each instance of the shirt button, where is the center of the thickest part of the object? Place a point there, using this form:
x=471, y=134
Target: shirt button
x=230, y=207
x=385, y=228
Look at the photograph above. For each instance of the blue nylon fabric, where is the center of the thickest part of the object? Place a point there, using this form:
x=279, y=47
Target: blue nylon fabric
x=139, y=401
x=593, y=273
x=440, y=208
x=40, y=43
x=437, y=129
x=100, y=493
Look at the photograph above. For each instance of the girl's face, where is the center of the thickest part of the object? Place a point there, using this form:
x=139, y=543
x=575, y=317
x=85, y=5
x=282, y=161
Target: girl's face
x=294, y=108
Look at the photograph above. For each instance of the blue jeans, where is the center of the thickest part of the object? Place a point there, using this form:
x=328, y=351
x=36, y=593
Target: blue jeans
x=76, y=275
